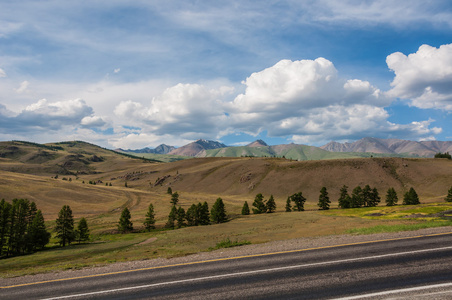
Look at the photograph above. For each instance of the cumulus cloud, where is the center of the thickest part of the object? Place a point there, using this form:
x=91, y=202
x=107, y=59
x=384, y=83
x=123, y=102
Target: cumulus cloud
x=2, y=73
x=424, y=77
x=187, y=110
x=44, y=115
x=303, y=97
x=141, y=140
x=92, y=121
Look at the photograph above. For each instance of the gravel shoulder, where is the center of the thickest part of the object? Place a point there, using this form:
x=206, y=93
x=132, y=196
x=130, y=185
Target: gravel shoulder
x=276, y=246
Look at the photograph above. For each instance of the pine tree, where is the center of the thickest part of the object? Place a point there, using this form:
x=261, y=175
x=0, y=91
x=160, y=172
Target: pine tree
x=259, y=204
x=204, y=214
x=411, y=197
x=374, y=198
x=169, y=191
x=180, y=217
x=288, y=206
x=344, y=198
x=391, y=197
x=82, y=231
x=298, y=201
x=357, y=197
x=324, y=200
x=218, y=212
x=125, y=224
x=271, y=205
x=149, y=222
x=449, y=195
x=245, y=209
x=171, y=217
x=174, y=198
x=65, y=226
x=366, y=196
x=5, y=209
x=38, y=234
x=192, y=215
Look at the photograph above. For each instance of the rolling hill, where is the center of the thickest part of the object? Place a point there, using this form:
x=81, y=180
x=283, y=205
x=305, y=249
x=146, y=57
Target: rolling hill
x=391, y=146
x=28, y=170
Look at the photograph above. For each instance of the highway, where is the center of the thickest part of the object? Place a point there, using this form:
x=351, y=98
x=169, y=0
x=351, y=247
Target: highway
x=415, y=268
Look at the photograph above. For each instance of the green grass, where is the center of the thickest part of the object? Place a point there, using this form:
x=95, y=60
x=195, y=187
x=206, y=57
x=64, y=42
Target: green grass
x=399, y=227
x=227, y=243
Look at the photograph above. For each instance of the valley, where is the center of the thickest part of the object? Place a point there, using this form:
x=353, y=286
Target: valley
x=54, y=175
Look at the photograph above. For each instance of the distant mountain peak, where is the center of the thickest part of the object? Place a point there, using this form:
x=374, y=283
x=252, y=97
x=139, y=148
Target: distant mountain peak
x=257, y=143
x=196, y=147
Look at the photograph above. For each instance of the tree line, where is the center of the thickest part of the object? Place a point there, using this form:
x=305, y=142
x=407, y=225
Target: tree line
x=22, y=227
x=360, y=197
x=196, y=214
x=23, y=230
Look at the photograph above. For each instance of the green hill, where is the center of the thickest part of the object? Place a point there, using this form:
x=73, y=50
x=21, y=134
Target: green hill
x=289, y=151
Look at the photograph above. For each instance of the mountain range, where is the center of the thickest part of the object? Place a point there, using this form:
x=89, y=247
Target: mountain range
x=258, y=148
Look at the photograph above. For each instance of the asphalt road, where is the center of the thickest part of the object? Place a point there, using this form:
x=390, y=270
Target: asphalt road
x=415, y=268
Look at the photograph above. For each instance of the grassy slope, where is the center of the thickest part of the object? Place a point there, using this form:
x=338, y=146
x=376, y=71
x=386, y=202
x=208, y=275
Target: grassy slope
x=198, y=180
x=290, y=151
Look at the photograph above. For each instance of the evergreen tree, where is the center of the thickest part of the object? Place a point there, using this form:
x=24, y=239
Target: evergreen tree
x=449, y=195
x=180, y=218
x=149, y=222
x=324, y=200
x=204, y=214
x=411, y=197
x=288, y=206
x=344, y=198
x=357, y=197
x=38, y=234
x=374, y=197
x=298, y=201
x=192, y=215
x=218, y=212
x=259, y=204
x=65, y=226
x=245, y=209
x=171, y=217
x=366, y=196
x=82, y=231
x=19, y=229
x=5, y=210
x=169, y=191
x=271, y=205
x=391, y=197
x=125, y=224
x=174, y=198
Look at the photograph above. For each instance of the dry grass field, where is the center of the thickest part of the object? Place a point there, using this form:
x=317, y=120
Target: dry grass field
x=29, y=171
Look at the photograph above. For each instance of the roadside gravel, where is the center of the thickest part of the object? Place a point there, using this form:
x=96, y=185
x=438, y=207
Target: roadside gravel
x=276, y=246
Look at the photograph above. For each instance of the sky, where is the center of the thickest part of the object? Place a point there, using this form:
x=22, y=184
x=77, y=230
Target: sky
x=135, y=74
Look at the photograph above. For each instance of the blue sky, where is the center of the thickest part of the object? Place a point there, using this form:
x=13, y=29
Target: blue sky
x=136, y=74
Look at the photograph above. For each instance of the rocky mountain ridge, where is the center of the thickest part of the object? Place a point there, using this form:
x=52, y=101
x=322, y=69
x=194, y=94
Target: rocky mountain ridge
x=387, y=147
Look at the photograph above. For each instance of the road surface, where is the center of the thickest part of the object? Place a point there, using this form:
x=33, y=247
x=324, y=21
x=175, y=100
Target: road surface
x=415, y=268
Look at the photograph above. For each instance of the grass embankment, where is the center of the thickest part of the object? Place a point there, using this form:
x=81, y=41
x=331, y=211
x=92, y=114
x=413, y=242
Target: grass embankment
x=414, y=217
x=107, y=247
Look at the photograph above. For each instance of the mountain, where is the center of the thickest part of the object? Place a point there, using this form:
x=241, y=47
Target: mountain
x=194, y=148
x=289, y=151
x=258, y=143
x=161, y=149
x=391, y=146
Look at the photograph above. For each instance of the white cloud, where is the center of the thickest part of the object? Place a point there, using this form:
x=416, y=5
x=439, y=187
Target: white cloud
x=141, y=140
x=424, y=77
x=185, y=109
x=294, y=92
x=92, y=121
x=44, y=115
x=117, y=70
x=2, y=73
x=23, y=87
